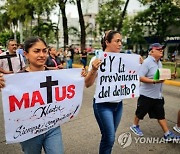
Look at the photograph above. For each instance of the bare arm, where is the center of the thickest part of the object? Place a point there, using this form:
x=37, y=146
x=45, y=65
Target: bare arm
x=2, y=82
x=60, y=66
x=92, y=74
x=5, y=72
x=141, y=60
x=148, y=80
x=80, y=55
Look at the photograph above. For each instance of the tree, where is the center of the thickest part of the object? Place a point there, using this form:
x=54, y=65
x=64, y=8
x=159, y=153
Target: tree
x=82, y=25
x=134, y=34
x=15, y=13
x=74, y=31
x=57, y=30
x=5, y=36
x=26, y=10
x=44, y=30
x=158, y=18
x=122, y=16
x=42, y=7
x=109, y=15
x=177, y=3
x=4, y=21
x=152, y=24
x=62, y=4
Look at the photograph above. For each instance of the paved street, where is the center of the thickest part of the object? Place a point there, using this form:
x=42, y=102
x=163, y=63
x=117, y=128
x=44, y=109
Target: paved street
x=81, y=135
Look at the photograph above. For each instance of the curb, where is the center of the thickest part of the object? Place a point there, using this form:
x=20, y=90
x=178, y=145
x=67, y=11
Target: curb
x=173, y=83
x=167, y=82
x=77, y=65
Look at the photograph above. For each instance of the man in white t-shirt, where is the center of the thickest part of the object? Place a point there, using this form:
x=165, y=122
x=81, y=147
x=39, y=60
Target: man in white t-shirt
x=10, y=61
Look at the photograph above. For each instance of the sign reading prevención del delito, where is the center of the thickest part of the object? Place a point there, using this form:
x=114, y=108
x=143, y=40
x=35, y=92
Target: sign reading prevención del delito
x=117, y=77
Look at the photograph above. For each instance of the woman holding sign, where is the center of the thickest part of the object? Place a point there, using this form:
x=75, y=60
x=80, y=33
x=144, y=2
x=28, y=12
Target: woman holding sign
x=48, y=138
x=107, y=114
x=36, y=54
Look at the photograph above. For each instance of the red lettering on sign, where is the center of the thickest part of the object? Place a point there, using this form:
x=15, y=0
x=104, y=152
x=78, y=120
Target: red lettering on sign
x=57, y=94
x=36, y=98
x=71, y=90
x=68, y=92
x=13, y=100
x=60, y=95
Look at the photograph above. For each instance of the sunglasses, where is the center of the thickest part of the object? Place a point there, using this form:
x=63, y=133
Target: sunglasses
x=159, y=49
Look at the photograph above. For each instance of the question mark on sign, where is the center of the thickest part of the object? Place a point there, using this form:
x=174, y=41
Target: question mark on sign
x=133, y=87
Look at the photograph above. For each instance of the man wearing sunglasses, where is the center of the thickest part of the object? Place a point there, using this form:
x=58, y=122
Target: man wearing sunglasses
x=151, y=100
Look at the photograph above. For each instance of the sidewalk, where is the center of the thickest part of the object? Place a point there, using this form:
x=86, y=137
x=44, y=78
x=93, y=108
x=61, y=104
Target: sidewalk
x=175, y=82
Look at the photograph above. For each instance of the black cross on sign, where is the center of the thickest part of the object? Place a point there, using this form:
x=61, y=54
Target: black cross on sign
x=49, y=83
x=8, y=57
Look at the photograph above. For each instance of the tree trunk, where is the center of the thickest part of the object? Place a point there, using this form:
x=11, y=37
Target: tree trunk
x=57, y=30
x=122, y=16
x=64, y=21
x=21, y=31
x=38, y=23
x=82, y=25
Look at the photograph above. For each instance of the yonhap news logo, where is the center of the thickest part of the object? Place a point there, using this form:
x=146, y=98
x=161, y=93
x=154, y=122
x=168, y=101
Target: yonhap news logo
x=126, y=139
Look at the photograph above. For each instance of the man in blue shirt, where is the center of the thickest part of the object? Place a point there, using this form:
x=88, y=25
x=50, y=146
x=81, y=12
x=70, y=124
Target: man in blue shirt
x=151, y=100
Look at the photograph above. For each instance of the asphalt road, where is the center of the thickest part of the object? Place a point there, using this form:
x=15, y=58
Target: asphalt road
x=82, y=136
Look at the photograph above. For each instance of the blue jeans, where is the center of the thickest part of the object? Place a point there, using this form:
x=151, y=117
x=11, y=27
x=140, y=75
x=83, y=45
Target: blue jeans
x=108, y=116
x=84, y=62
x=51, y=141
x=69, y=63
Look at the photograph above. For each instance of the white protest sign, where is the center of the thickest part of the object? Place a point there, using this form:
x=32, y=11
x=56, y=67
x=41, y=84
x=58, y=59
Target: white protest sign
x=162, y=74
x=36, y=102
x=117, y=77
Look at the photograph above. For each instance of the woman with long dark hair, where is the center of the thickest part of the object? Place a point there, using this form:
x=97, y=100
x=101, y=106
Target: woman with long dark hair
x=36, y=54
x=107, y=114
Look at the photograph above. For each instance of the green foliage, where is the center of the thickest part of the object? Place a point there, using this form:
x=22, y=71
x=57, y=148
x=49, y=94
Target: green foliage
x=109, y=15
x=171, y=66
x=43, y=6
x=4, y=21
x=44, y=30
x=157, y=19
x=74, y=31
x=153, y=22
x=5, y=36
x=25, y=11
x=77, y=59
x=19, y=10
